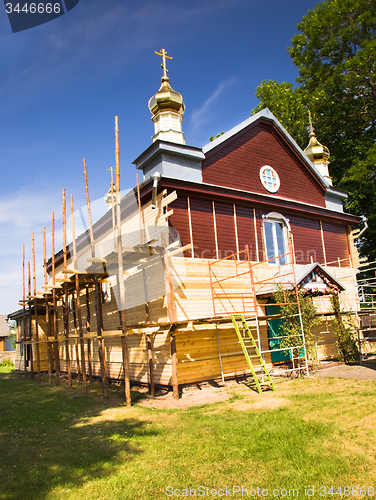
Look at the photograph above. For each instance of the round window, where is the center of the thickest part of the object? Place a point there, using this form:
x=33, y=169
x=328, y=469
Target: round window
x=269, y=179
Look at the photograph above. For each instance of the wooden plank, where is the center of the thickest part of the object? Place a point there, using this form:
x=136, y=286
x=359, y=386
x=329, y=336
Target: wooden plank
x=169, y=199
x=73, y=271
x=174, y=364
x=179, y=250
x=167, y=214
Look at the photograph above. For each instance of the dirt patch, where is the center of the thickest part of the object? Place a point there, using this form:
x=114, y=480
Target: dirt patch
x=208, y=394
x=345, y=371
x=192, y=396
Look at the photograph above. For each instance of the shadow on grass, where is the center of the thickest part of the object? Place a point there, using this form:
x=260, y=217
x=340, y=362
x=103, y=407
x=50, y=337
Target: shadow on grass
x=50, y=440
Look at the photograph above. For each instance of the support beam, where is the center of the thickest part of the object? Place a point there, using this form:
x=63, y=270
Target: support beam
x=174, y=363
x=24, y=347
x=149, y=344
x=47, y=308
x=78, y=303
x=124, y=340
x=35, y=309
x=98, y=298
x=88, y=331
x=75, y=335
x=66, y=296
x=54, y=306
x=30, y=324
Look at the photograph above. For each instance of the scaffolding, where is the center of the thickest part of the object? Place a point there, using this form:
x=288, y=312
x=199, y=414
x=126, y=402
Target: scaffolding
x=237, y=285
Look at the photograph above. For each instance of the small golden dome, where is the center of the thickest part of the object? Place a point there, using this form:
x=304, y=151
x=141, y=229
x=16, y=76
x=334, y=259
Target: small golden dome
x=315, y=150
x=166, y=99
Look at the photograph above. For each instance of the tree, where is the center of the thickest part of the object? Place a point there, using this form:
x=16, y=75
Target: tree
x=360, y=182
x=288, y=104
x=334, y=53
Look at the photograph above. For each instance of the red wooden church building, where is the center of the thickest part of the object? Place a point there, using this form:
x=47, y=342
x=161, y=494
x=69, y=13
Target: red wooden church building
x=210, y=231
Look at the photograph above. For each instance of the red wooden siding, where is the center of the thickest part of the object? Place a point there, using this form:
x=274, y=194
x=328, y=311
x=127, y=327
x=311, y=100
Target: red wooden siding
x=179, y=222
x=203, y=228
x=306, y=232
x=246, y=230
x=307, y=239
x=224, y=216
x=237, y=165
x=336, y=242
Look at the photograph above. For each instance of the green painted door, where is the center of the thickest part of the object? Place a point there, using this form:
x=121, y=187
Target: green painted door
x=275, y=330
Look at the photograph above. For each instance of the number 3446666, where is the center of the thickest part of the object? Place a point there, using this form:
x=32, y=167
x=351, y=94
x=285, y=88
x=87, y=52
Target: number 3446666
x=346, y=491
x=34, y=8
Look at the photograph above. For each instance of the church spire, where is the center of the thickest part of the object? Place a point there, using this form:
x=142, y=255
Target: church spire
x=167, y=108
x=317, y=153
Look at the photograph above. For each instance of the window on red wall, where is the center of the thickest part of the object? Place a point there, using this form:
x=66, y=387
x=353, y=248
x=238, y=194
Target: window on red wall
x=276, y=239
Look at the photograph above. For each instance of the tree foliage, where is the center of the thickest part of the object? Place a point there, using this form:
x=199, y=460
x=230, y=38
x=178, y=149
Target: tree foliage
x=335, y=54
x=287, y=103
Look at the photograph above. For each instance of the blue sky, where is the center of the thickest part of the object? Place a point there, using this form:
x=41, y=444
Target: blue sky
x=62, y=83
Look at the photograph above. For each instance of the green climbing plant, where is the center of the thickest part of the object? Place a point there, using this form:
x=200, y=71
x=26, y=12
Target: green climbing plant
x=344, y=330
x=291, y=326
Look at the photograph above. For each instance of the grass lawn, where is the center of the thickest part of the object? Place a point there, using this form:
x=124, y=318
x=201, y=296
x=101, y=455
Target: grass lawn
x=311, y=432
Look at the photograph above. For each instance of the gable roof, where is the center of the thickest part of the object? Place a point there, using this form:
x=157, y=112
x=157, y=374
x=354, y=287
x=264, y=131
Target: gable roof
x=266, y=114
x=301, y=272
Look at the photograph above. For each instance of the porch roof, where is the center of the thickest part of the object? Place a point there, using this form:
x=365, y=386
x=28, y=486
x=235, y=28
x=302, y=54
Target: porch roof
x=285, y=278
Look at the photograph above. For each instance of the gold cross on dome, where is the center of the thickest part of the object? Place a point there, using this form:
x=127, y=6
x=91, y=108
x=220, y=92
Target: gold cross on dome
x=164, y=55
x=310, y=122
x=112, y=173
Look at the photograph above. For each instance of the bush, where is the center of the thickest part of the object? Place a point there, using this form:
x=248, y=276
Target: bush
x=345, y=330
x=7, y=362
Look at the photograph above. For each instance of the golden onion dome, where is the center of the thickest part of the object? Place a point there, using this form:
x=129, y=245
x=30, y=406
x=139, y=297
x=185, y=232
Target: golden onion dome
x=166, y=99
x=315, y=150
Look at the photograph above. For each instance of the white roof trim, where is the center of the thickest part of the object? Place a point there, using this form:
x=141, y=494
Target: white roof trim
x=265, y=113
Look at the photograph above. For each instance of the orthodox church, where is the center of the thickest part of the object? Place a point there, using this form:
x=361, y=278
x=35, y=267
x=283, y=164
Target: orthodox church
x=209, y=233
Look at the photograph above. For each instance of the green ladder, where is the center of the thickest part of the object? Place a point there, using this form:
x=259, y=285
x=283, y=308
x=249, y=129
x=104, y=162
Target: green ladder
x=248, y=344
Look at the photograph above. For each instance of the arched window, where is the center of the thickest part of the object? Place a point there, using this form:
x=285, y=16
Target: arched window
x=276, y=229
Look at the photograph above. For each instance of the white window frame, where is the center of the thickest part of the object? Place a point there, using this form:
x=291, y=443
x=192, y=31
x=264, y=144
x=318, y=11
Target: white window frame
x=276, y=218
x=271, y=189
